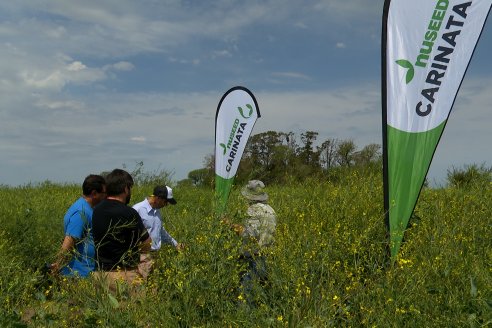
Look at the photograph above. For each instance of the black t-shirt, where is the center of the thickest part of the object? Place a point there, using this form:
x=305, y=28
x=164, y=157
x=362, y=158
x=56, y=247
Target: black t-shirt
x=117, y=230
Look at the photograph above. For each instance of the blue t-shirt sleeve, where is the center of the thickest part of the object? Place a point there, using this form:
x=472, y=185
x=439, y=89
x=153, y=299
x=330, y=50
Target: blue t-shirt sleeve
x=75, y=226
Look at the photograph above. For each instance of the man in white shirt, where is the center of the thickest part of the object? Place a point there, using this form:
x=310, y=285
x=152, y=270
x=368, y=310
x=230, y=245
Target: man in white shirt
x=149, y=210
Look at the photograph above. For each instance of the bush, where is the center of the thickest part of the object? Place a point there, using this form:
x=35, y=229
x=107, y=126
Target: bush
x=470, y=176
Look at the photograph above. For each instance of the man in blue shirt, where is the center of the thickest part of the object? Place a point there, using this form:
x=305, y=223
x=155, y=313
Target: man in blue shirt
x=77, y=254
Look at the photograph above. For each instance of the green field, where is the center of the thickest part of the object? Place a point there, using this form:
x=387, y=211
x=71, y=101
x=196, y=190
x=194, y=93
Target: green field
x=328, y=267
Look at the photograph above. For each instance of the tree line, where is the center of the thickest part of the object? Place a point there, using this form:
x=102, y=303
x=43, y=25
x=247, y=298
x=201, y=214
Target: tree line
x=277, y=157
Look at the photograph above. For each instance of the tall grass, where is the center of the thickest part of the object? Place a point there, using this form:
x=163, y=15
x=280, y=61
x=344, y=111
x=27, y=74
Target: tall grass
x=327, y=268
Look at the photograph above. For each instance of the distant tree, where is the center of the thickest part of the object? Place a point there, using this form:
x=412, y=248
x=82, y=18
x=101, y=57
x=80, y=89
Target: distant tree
x=185, y=183
x=141, y=176
x=369, y=154
x=306, y=152
x=260, y=147
x=267, y=156
x=277, y=157
x=199, y=177
x=207, y=176
x=345, y=153
x=327, y=153
x=289, y=140
x=209, y=162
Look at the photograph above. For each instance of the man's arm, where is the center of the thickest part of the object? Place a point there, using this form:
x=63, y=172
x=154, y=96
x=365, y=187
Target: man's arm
x=64, y=255
x=166, y=238
x=145, y=246
x=236, y=227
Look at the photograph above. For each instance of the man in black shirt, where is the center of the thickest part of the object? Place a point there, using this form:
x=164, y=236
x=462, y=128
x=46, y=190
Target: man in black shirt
x=119, y=234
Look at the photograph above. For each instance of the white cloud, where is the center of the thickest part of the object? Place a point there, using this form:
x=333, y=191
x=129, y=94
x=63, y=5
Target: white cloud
x=140, y=139
x=57, y=78
x=76, y=66
x=340, y=45
x=184, y=61
x=39, y=80
x=71, y=105
x=56, y=32
x=291, y=75
x=123, y=66
x=301, y=25
x=350, y=10
x=222, y=53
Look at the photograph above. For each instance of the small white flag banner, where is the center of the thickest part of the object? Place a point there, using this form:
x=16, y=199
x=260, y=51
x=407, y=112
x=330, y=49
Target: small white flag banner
x=236, y=116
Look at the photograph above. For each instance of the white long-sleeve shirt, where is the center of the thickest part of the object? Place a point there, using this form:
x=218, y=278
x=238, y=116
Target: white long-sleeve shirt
x=152, y=221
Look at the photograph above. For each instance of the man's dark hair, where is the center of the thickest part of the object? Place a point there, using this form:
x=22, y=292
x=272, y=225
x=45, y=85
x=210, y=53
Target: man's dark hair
x=116, y=181
x=93, y=182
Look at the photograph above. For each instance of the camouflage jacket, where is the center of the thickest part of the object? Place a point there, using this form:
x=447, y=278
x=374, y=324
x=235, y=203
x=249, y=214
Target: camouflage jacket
x=260, y=224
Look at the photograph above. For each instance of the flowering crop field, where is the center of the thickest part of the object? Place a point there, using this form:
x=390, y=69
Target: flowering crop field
x=328, y=267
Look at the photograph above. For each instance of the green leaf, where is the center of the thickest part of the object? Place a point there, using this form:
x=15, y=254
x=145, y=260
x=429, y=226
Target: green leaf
x=241, y=111
x=224, y=148
x=473, y=288
x=408, y=65
x=113, y=301
x=250, y=109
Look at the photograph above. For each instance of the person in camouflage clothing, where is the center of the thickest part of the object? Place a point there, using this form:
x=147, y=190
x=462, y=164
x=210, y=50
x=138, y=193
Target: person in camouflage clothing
x=261, y=221
x=258, y=232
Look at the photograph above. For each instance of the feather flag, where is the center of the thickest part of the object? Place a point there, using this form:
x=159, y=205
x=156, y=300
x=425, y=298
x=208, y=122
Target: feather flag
x=236, y=116
x=426, y=48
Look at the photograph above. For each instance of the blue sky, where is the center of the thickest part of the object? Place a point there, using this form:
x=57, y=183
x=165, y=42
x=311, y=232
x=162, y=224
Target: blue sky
x=88, y=86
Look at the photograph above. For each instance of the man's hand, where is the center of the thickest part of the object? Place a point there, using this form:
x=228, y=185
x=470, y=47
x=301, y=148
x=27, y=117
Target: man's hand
x=239, y=229
x=180, y=247
x=146, y=245
x=53, y=268
x=64, y=255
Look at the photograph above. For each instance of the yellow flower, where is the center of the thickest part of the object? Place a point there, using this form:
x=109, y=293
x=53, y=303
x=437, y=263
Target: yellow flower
x=403, y=262
x=401, y=311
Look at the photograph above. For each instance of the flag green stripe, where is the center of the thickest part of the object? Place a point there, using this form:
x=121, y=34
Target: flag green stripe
x=222, y=190
x=409, y=158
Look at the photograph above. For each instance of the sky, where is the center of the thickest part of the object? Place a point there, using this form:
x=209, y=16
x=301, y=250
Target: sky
x=88, y=86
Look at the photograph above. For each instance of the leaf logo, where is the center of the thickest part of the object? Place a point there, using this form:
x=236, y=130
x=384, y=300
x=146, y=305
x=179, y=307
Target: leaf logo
x=223, y=147
x=241, y=111
x=408, y=65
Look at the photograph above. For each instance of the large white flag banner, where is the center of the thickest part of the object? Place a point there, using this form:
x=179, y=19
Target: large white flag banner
x=426, y=48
